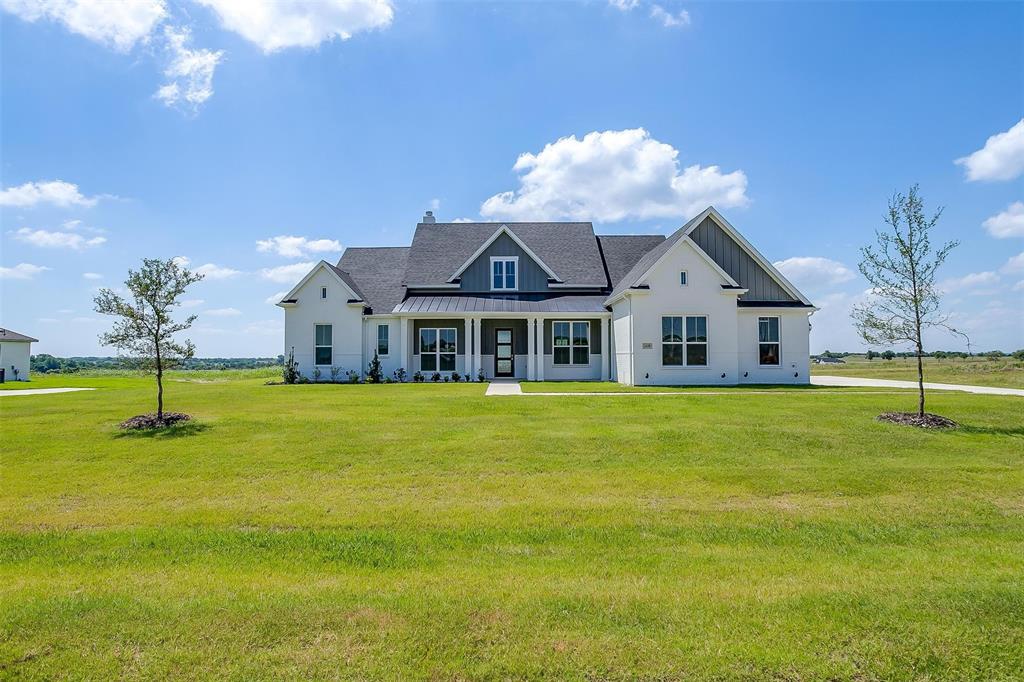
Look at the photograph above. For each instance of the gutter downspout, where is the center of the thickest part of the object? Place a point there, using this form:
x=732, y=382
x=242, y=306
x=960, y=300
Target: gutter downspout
x=632, y=343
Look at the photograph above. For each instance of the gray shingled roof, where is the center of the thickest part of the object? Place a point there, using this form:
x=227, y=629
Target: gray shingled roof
x=377, y=272
x=9, y=335
x=569, y=249
x=347, y=279
x=474, y=304
x=622, y=252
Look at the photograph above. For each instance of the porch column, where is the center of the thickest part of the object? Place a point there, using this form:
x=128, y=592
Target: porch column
x=605, y=350
x=540, y=349
x=478, y=335
x=467, y=355
x=405, y=348
x=531, y=348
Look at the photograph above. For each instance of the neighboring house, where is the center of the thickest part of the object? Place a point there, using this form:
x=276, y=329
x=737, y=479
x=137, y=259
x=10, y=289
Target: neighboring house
x=15, y=353
x=554, y=301
x=829, y=361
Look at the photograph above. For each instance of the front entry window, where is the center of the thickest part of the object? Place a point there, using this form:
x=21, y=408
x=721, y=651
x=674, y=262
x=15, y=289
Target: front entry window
x=323, y=349
x=437, y=349
x=570, y=343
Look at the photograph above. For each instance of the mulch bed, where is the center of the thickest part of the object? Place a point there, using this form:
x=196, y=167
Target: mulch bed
x=150, y=421
x=929, y=421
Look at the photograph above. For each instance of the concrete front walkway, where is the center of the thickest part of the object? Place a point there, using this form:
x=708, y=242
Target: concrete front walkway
x=893, y=383
x=42, y=391
x=504, y=387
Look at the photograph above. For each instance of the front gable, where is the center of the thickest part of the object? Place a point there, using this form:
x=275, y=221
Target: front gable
x=323, y=275
x=703, y=275
x=475, y=274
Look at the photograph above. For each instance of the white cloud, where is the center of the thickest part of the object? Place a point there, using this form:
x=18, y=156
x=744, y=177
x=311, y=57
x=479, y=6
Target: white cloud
x=92, y=275
x=275, y=298
x=1002, y=157
x=669, y=20
x=56, y=192
x=211, y=271
x=22, y=271
x=182, y=261
x=1014, y=264
x=190, y=71
x=812, y=271
x=65, y=311
x=223, y=312
x=624, y=5
x=1009, y=223
x=300, y=23
x=463, y=220
x=56, y=240
x=287, y=274
x=610, y=176
x=118, y=24
x=1019, y=286
x=191, y=302
x=297, y=247
x=970, y=283
x=264, y=328
x=435, y=204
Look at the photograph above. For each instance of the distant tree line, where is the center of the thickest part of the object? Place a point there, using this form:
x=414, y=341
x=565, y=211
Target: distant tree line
x=938, y=354
x=47, y=364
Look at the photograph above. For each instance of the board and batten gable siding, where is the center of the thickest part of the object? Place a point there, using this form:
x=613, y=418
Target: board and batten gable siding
x=731, y=257
x=477, y=277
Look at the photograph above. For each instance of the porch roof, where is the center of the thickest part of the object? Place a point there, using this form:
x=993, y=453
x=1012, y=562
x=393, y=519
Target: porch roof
x=473, y=304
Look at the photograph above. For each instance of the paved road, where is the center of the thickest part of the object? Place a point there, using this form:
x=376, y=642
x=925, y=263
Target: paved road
x=893, y=383
x=41, y=391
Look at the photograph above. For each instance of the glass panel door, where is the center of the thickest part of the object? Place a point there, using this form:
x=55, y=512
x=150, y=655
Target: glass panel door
x=504, y=359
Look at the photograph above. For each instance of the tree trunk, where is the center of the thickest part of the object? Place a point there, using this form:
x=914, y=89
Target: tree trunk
x=159, y=386
x=920, y=382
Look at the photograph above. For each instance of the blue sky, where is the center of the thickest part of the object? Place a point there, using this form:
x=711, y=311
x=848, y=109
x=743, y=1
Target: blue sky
x=201, y=129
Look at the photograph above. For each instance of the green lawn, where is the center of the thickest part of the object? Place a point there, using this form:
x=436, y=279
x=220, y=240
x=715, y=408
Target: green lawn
x=1004, y=372
x=425, y=531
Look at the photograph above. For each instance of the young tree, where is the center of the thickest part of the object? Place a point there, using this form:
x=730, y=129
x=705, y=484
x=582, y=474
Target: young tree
x=901, y=269
x=145, y=331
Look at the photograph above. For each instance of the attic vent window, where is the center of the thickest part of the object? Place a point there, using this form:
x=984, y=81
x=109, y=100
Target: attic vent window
x=682, y=278
x=323, y=292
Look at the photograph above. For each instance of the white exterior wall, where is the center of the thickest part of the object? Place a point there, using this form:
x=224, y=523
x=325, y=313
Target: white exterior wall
x=622, y=342
x=15, y=355
x=347, y=322
x=703, y=295
x=393, y=360
x=794, y=347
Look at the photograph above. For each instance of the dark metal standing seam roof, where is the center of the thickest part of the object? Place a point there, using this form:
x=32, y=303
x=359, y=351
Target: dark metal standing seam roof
x=569, y=249
x=474, y=304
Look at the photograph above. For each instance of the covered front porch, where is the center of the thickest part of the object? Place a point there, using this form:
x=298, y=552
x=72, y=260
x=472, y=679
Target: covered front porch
x=514, y=339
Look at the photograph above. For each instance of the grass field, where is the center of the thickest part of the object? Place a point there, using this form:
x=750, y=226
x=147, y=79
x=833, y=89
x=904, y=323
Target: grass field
x=1004, y=372
x=428, y=532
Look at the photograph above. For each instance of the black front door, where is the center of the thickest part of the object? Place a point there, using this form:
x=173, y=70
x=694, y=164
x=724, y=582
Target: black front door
x=504, y=358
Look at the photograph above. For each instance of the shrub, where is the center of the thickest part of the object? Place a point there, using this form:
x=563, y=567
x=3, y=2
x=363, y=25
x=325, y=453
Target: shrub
x=290, y=374
x=456, y=377
x=418, y=377
x=353, y=376
x=373, y=375
x=480, y=376
x=435, y=377
x=400, y=375
x=335, y=373
x=316, y=375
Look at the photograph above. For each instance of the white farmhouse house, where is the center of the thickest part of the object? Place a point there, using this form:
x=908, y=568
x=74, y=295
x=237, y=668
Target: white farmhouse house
x=554, y=301
x=15, y=353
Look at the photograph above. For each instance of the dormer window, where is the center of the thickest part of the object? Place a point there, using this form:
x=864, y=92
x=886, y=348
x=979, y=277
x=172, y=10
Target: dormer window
x=504, y=273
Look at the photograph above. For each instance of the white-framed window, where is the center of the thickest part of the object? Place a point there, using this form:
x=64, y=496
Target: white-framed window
x=437, y=349
x=682, y=278
x=684, y=340
x=570, y=342
x=323, y=292
x=504, y=273
x=323, y=344
x=769, y=350
x=383, y=339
